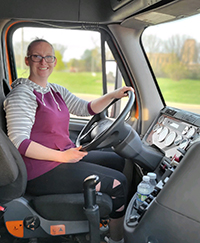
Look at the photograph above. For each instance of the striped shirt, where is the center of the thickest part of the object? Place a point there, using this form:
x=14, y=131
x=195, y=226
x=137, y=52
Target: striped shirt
x=40, y=114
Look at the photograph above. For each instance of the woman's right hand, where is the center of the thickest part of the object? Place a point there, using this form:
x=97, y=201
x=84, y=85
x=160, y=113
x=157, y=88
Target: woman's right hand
x=38, y=151
x=73, y=155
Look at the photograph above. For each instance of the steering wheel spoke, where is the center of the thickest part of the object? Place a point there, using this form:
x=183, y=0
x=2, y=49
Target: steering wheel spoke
x=87, y=136
x=102, y=131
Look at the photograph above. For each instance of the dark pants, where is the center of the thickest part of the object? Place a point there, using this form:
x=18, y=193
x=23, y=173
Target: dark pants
x=69, y=177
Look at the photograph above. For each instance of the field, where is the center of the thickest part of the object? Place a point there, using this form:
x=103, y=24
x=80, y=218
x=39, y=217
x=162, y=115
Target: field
x=75, y=82
x=183, y=91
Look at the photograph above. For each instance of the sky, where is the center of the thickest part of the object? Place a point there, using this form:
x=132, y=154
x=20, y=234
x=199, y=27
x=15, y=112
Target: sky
x=187, y=26
x=75, y=45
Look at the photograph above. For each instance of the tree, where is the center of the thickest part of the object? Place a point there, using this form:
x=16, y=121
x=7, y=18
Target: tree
x=20, y=52
x=175, y=45
x=198, y=52
x=75, y=65
x=152, y=44
x=59, y=47
x=92, y=60
x=187, y=52
x=59, y=52
x=154, y=49
x=60, y=64
x=177, y=57
x=176, y=70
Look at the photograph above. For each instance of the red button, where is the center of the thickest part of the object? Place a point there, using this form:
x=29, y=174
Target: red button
x=2, y=208
x=176, y=158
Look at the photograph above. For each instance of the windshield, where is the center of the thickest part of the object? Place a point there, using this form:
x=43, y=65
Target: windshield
x=173, y=50
x=78, y=66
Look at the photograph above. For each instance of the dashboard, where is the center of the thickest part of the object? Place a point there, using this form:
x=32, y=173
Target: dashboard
x=176, y=134
x=173, y=132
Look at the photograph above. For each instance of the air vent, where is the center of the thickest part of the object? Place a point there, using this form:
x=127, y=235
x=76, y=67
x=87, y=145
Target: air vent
x=189, y=118
x=170, y=112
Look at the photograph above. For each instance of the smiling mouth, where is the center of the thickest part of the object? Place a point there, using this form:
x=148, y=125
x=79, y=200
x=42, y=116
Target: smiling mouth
x=43, y=68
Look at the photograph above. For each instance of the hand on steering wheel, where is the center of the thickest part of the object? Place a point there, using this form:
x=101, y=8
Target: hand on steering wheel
x=102, y=131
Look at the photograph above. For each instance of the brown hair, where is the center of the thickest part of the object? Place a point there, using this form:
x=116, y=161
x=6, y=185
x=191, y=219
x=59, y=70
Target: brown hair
x=36, y=41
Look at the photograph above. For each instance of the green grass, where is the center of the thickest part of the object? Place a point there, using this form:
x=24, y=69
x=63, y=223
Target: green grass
x=85, y=83
x=183, y=91
x=78, y=82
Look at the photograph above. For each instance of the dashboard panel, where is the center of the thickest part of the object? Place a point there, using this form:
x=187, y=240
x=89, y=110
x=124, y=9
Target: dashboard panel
x=176, y=133
x=173, y=132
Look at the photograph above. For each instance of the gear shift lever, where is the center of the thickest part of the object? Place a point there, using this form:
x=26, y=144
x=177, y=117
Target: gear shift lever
x=89, y=191
x=91, y=208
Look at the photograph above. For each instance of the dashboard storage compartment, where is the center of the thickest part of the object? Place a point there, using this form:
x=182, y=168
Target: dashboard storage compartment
x=175, y=208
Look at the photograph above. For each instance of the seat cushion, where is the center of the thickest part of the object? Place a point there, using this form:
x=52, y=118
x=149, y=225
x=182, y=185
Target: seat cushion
x=69, y=207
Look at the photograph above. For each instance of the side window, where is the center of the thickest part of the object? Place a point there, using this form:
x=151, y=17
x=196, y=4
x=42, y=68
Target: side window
x=114, y=81
x=78, y=58
x=79, y=61
x=173, y=49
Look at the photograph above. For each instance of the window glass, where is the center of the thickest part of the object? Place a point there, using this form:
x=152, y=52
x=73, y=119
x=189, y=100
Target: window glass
x=78, y=56
x=173, y=50
x=114, y=81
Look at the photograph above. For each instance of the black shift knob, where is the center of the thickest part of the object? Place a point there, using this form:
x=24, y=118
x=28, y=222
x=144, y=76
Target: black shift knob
x=89, y=185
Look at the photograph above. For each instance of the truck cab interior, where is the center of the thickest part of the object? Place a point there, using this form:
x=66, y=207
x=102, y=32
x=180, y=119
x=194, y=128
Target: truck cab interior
x=101, y=45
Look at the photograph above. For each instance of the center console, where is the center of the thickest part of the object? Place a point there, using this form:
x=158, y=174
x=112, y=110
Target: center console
x=172, y=205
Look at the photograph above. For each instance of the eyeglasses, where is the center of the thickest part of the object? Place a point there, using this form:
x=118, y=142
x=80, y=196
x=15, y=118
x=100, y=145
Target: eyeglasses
x=38, y=58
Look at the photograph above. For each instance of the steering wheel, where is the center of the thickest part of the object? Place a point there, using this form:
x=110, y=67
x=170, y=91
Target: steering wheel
x=102, y=131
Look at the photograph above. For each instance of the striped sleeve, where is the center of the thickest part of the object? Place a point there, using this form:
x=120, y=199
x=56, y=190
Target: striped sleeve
x=20, y=107
x=75, y=105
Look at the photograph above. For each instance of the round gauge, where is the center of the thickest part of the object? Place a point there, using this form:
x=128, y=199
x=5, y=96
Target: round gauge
x=185, y=130
x=161, y=119
x=184, y=143
x=178, y=140
x=163, y=134
x=156, y=127
x=159, y=130
x=191, y=132
x=170, y=138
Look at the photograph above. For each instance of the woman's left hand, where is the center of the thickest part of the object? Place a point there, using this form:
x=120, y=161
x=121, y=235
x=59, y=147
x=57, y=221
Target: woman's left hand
x=101, y=103
x=122, y=92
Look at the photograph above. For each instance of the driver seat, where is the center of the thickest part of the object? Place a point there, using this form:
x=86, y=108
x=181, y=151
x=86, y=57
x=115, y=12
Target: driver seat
x=28, y=216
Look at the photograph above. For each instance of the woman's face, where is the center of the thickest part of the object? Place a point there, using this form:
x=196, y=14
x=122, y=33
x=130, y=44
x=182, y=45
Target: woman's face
x=40, y=71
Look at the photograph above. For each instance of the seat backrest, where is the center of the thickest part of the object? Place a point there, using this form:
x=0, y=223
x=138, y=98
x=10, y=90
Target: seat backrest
x=4, y=90
x=13, y=175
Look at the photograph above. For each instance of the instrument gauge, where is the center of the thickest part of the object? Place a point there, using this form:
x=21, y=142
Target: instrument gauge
x=184, y=143
x=156, y=127
x=178, y=140
x=163, y=134
x=185, y=130
x=159, y=130
x=170, y=138
x=191, y=132
x=161, y=119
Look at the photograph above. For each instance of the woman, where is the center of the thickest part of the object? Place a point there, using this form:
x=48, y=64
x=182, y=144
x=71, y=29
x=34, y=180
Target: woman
x=37, y=114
